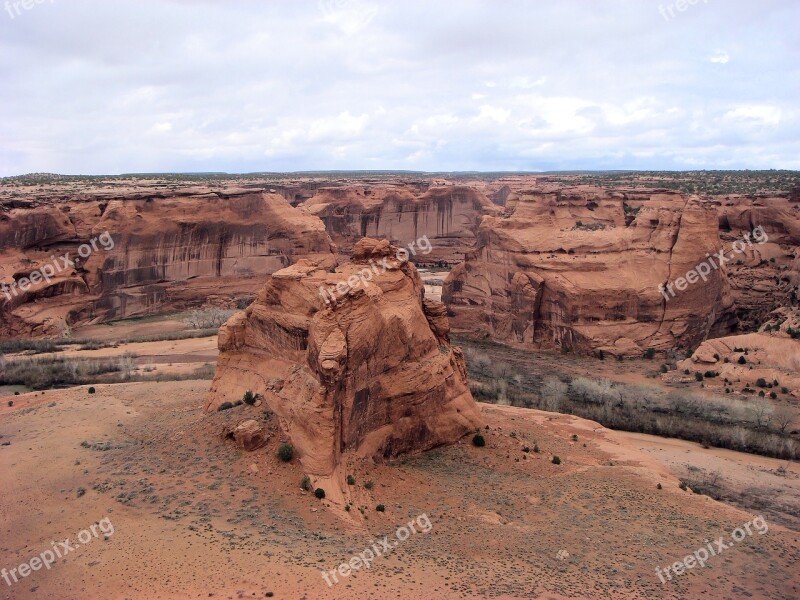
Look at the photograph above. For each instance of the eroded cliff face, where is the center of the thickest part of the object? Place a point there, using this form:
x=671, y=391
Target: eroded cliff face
x=369, y=373
x=449, y=216
x=164, y=251
x=580, y=269
x=765, y=279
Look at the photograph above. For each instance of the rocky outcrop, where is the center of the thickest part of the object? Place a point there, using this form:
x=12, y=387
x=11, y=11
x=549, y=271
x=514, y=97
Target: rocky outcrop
x=580, y=269
x=449, y=216
x=766, y=277
x=148, y=252
x=249, y=435
x=363, y=371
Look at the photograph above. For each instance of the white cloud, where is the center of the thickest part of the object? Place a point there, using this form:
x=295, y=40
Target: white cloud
x=194, y=85
x=720, y=57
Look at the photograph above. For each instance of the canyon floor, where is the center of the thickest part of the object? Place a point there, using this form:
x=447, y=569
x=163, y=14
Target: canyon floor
x=193, y=517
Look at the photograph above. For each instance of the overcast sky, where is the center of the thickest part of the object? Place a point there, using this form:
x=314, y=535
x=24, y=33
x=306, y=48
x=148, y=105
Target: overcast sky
x=114, y=86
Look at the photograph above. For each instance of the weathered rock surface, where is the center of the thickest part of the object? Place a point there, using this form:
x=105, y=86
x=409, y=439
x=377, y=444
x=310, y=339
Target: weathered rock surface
x=249, y=436
x=767, y=277
x=171, y=250
x=580, y=269
x=372, y=374
x=449, y=216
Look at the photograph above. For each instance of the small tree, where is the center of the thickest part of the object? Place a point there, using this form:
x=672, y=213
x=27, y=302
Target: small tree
x=783, y=417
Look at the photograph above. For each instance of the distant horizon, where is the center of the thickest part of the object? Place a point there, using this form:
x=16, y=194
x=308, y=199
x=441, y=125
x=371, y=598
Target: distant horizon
x=324, y=172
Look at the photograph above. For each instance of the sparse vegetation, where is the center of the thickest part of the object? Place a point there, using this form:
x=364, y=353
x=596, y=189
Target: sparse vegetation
x=319, y=493
x=286, y=453
x=478, y=441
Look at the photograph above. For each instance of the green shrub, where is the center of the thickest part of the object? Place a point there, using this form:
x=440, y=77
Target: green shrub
x=556, y=460
x=319, y=493
x=698, y=376
x=91, y=390
x=478, y=441
x=650, y=353
x=380, y=508
x=306, y=483
x=742, y=360
x=286, y=453
x=536, y=448
x=369, y=484
x=225, y=406
x=249, y=398
x=81, y=491
x=762, y=383
x=351, y=480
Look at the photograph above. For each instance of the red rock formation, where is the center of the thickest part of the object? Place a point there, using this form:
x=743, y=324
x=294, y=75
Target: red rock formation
x=449, y=216
x=764, y=278
x=372, y=374
x=580, y=269
x=170, y=251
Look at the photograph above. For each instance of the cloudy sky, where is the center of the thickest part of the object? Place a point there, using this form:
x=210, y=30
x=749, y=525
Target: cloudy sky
x=114, y=86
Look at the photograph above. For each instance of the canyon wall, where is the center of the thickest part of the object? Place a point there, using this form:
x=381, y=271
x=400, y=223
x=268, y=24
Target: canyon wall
x=449, y=216
x=580, y=270
x=164, y=251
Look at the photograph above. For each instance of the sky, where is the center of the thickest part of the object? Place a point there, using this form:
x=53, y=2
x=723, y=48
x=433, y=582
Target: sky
x=123, y=86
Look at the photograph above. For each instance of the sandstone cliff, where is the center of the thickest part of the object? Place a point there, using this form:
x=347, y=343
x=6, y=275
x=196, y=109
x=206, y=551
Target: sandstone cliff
x=580, y=269
x=369, y=374
x=167, y=251
x=449, y=216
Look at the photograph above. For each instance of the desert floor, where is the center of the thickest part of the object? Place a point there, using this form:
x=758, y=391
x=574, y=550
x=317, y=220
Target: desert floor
x=194, y=517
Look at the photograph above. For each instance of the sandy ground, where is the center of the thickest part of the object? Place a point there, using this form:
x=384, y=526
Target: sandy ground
x=193, y=517
x=767, y=483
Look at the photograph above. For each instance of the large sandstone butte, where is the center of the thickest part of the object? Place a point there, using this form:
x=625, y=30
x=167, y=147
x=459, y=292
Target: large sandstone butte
x=371, y=375
x=172, y=250
x=448, y=215
x=580, y=269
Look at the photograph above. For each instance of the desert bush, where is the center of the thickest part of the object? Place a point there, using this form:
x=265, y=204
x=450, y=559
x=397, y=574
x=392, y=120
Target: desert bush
x=380, y=508
x=351, y=480
x=249, y=398
x=478, y=441
x=319, y=493
x=305, y=484
x=225, y=406
x=556, y=460
x=369, y=484
x=208, y=318
x=286, y=453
